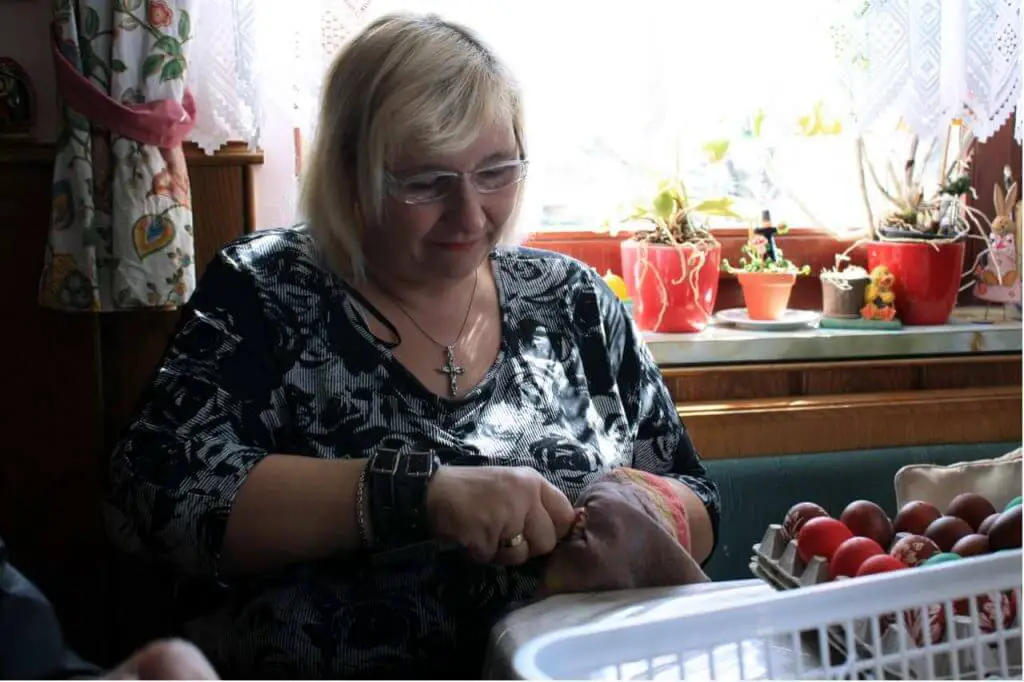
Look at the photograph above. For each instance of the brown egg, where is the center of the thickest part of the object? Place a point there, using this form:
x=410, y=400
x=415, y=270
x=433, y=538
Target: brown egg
x=914, y=549
x=986, y=525
x=972, y=508
x=914, y=517
x=971, y=545
x=946, y=530
x=799, y=514
x=868, y=520
x=1005, y=532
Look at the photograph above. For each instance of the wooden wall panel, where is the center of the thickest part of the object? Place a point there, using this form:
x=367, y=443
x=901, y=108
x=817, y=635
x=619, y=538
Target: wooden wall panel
x=69, y=385
x=753, y=410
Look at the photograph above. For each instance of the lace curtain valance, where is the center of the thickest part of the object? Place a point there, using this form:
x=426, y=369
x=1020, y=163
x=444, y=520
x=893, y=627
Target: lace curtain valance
x=935, y=61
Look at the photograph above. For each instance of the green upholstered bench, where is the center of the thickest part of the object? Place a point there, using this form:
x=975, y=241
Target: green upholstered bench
x=757, y=491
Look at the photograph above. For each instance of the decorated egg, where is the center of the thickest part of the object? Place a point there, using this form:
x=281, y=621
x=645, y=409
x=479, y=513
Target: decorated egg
x=913, y=550
x=879, y=563
x=974, y=544
x=866, y=519
x=935, y=627
x=799, y=514
x=1005, y=532
x=821, y=536
x=971, y=507
x=946, y=530
x=914, y=517
x=987, y=612
x=851, y=554
x=1015, y=502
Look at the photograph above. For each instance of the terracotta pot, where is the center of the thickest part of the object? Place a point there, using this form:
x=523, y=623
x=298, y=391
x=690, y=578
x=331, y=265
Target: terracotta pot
x=927, y=277
x=844, y=303
x=668, y=293
x=766, y=294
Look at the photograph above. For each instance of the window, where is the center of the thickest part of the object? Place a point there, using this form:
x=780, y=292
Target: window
x=618, y=94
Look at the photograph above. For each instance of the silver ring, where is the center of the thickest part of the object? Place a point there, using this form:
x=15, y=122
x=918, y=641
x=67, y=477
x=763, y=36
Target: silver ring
x=513, y=541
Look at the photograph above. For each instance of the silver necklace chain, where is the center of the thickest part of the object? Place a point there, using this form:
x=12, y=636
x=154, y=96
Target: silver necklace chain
x=449, y=368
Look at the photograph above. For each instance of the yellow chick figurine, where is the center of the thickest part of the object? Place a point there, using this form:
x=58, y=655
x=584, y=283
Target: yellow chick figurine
x=879, y=299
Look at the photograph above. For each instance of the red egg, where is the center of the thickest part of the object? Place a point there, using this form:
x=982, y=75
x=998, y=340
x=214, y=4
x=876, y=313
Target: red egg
x=799, y=514
x=821, y=536
x=974, y=544
x=879, y=563
x=946, y=530
x=868, y=520
x=987, y=524
x=913, y=550
x=914, y=517
x=851, y=554
x=972, y=508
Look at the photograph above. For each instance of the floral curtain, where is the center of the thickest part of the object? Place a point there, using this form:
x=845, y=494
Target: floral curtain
x=121, y=233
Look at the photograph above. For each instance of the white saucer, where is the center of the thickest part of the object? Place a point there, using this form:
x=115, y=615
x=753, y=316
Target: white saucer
x=790, y=320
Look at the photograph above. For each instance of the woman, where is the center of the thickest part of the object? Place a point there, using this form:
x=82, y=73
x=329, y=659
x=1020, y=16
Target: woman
x=374, y=432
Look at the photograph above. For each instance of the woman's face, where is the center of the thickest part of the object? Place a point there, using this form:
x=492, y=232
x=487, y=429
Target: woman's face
x=445, y=239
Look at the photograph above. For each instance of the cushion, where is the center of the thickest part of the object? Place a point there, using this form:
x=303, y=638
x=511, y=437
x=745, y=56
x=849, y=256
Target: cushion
x=997, y=479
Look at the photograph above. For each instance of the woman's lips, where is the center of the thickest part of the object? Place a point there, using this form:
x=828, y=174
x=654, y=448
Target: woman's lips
x=455, y=246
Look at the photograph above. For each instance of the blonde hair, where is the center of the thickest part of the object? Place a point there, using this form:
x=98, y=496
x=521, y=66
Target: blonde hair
x=406, y=79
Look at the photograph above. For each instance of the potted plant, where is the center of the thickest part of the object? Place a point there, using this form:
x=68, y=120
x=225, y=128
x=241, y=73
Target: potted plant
x=764, y=273
x=920, y=237
x=842, y=290
x=671, y=266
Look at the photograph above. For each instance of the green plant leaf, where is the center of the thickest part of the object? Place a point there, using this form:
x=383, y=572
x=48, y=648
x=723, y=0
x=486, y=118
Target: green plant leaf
x=184, y=25
x=664, y=204
x=92, y=23
x=152, y=64
x=129, y=23
x=716, y=150
x=717, y=207
x=132, y=5
x=758, y=122
x=117, y=66
x=169, y=44
x=173, y=70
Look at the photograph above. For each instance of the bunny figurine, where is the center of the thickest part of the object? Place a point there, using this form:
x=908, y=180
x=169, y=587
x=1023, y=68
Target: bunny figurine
x=999, y=278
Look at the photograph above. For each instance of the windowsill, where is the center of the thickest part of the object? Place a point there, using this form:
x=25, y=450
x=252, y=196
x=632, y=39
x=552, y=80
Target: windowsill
x=726, y=345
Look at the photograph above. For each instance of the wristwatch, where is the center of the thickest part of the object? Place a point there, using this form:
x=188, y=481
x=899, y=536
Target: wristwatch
x=397, y=486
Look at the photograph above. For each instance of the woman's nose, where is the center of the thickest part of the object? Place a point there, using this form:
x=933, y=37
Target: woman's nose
x=468, y=206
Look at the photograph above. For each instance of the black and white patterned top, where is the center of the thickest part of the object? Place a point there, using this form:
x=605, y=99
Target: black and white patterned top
x=273, y=355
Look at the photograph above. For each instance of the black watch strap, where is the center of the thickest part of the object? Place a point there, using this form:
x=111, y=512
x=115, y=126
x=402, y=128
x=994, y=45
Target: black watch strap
x=398, y=494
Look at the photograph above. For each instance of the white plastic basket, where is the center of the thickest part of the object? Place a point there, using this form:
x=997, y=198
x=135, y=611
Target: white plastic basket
x=847, y=629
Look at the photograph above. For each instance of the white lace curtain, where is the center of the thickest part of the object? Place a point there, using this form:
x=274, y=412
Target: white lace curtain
x=257, y=67
x=934, y=61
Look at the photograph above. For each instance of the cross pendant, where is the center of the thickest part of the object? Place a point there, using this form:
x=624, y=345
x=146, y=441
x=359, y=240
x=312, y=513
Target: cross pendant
x=452, y=370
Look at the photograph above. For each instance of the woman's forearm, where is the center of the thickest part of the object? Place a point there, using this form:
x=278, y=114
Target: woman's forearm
x=291, y=509
x=701, y=533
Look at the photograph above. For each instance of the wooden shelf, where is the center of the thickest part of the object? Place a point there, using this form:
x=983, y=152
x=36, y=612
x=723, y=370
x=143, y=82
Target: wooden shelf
x=765, y=409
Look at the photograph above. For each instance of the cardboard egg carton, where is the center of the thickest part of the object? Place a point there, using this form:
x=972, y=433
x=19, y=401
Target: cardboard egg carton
x=777, y=562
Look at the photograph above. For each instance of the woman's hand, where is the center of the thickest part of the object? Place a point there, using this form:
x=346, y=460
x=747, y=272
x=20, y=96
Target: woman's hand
x=617, y=544
x=173, y=659
x=504, y=515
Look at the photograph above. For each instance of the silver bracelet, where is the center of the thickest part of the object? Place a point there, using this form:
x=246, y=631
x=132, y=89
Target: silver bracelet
x=362, y=523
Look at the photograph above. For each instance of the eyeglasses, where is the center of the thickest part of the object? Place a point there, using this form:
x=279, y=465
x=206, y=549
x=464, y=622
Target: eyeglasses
x=425, y=188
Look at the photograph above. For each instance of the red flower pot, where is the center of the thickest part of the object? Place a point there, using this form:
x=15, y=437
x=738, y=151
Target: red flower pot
x=927, y=277
x=669, y=292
